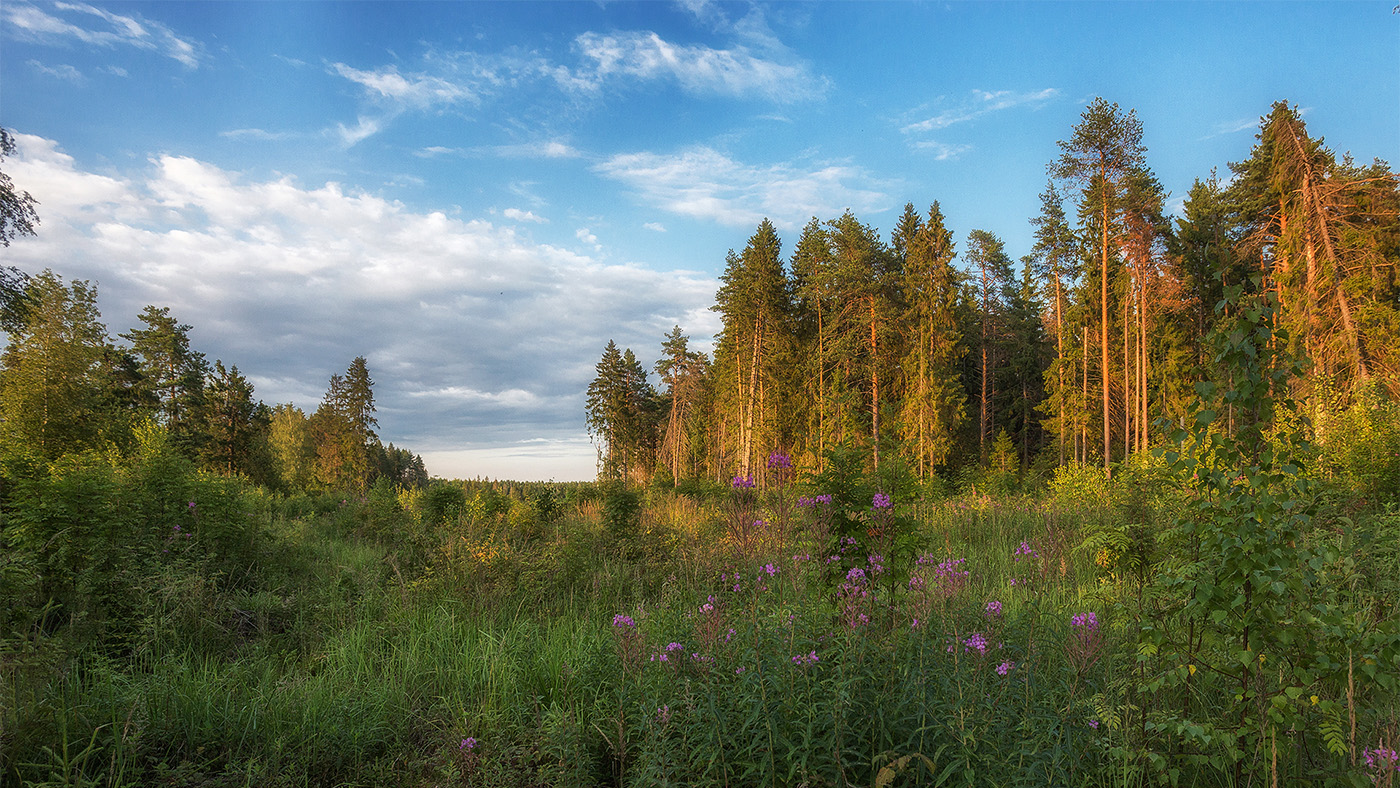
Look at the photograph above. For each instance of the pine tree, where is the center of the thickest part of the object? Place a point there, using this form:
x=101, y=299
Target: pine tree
x=233, y=422
x=683, y=371
x=172, y=374
x=755, y=301
x=1103, y=152
x=1056, y=262
x=1324, y=233
x=990, y=269
x=867, y=279
x=933, y=406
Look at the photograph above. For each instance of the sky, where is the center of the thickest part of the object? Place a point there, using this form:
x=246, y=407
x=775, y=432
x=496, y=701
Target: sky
x=478, y=196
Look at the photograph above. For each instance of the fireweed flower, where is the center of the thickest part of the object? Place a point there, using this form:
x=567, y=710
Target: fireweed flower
x=1005, y=668
x=468, y=744
x=742, y=482
x=623, y=622
x=779, y=461
x=1381, y=760
x=1026, y=551
x=993, y=609
x=1094, y=724
x=880, y=501
x=806, y=659
x=975, y=642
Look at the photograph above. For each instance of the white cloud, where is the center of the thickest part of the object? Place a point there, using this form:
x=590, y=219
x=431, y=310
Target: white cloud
x=478, y=338
x=587, y=236
x=983, y=103
x=1232, y=127
x=30, y=23
x=704, y=183
x=655, y=227
x=940, y=150
x=517, y=215
x=414, y=90
x=261, y=135
x=644, y=55
x=62, y=71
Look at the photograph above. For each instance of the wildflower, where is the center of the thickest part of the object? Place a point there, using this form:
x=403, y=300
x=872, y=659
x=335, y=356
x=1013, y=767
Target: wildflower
x=739, y=671
x=779, y=461
x=192, y=506
x=822, y=499
x=1025, y=550
x=468, y=744
x=880, y=501
x=975, y=642
x=806, y=659
x=1085, y=622
x=993, y=609
x=663, y=715
x=1094, y=724
x=743, y=482
x=1005, y=667
x=623, y=622
x=770, y=569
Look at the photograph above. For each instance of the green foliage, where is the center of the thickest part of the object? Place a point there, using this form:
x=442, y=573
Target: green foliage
x=1361, y=446
x=1251, y=610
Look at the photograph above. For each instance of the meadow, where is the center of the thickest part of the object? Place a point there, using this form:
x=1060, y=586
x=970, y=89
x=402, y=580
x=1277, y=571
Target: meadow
x=841, y=628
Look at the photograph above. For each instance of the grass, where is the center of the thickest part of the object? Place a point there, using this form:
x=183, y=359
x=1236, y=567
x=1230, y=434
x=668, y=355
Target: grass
x=335, y=661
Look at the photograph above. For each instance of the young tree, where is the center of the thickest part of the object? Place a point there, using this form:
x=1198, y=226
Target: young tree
x=293, y=452
x=53, y=377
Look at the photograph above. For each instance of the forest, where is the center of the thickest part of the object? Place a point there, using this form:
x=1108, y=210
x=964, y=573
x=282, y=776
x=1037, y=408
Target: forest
x=1126, y=513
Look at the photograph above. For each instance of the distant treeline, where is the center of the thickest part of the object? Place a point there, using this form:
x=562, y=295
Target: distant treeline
x=67, y=387
x=1077, y=355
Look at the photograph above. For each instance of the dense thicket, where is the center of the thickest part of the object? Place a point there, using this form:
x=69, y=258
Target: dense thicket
x=921, y=353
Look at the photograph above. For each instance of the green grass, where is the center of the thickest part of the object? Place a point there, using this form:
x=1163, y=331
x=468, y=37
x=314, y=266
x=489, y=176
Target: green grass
x=333, y=661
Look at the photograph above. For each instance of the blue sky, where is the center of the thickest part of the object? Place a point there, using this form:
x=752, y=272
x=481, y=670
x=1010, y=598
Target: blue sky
x=478, y=196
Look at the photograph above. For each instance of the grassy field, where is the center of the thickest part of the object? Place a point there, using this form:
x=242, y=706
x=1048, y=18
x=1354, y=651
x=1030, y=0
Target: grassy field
x=894, y=634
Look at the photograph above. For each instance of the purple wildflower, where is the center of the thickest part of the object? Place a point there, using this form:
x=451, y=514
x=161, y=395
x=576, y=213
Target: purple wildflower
x=880, y=501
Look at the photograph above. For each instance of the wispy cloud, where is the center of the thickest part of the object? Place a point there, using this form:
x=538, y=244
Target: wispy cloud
x=1232, y=127
x=61, y=71
x=86, y=24
x=260, y=135
x=704, y=183
x=737, y=72
x=980, y=104
x=942, y=151
x=420, y=91
x=655, y=227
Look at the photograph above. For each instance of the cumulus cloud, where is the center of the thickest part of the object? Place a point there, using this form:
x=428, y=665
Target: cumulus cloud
x=707, y=184
x=655, y=227
x=86, y=24
x=478, y=337
x=983, y=103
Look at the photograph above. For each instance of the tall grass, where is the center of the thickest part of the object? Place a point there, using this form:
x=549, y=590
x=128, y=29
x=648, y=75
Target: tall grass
x=654, y=651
